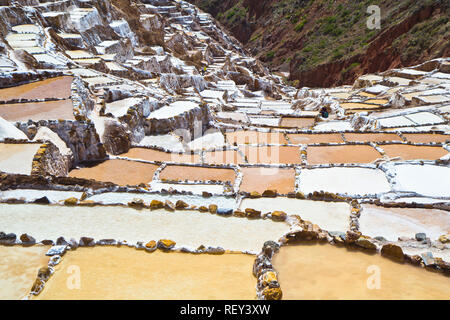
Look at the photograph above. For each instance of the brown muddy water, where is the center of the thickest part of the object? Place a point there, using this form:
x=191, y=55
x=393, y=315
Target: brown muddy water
x=314, y=271
x=341, y=154
x=426, y=137
x=47, y=110
x=58, y=87
x=121, y=172
x=408, y=152
x=261, y=179
x=173, y=172
x=223, y=157
x=126, y=273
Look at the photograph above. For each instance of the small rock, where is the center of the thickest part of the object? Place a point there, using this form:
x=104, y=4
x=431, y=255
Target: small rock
x=269, y=279
x=255, y=195
x=300, y=195
x=57, y=250
x=252, y=213
x=43, y=200
x=269, y=194
x=224, y=212
x=47, y=242
x=86, y=242
x=73, y=244
x=217, y=250
x=181, y=205
x=37, y=287
x=393, y=251
x=206, y=194
x=136, y=203
x=27, y=240
x=421, y=236
x=445, y=238
x=107, y=242
x=272, y=293
x=428, y=259
x=156, y=204
x=239, y=214
x=71, y=201
x=151, y=246
x=165, y=244
x=8, y=239
x=212, y=208
x=44, y=273
x=279, y=216
x=270, y=247
x=381, y=239
x=364, y=242
x=203, y=209
x=61, y=241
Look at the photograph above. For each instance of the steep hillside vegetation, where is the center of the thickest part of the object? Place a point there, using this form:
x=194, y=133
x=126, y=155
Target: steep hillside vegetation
x=326, y=43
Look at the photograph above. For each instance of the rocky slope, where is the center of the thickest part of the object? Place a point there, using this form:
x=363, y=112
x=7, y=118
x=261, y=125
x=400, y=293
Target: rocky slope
x=327, y=43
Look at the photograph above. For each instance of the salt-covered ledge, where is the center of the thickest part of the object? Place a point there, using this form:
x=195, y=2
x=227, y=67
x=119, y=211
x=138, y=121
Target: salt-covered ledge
x=187, y=228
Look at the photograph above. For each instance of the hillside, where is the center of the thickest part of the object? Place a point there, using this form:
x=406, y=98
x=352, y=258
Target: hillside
x=327, y=43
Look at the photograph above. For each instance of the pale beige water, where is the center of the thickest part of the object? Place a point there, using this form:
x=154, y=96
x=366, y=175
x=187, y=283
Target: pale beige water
x=342, y=154
x=19, y=268
x=314, y=271
x=47, y=110
x=261, y=179
x=58, y=87
x=17, y=158
x=126, y=273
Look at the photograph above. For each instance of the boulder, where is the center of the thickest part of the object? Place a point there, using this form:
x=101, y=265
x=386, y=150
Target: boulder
x=279, y=216
x=165, y=244
x=393, y=251
x=156, y=204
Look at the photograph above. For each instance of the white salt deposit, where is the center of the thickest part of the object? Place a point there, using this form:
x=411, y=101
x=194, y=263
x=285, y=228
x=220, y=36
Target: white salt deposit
x=187, y=228
x=173, y=110
x=341, y=180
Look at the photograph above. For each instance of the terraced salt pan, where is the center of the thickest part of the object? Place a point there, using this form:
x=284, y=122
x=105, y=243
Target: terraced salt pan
x=341, y=180
x=265, y=121
x=331, y=216
x=392, y=223
x=157, y=155
x=300, y=123
x=9, y=130
x=304, y=138
x=424, y=118
x=18, y=270
x=173, y=276
x=272, y=154
x=330, y=272
x=33, y=194
x=17, y=158
x=398, y=121
x=47, y=110
x=408, y=152
x=255, y=137
x=424, y=137
x=262, y=179
x=173, y=110
x=371, y=137
x=427, y=180
x=186, y=228
x=333, y=126
x=211, y=139
x=223, y=157
x=175, y=172
x=341, y=154
x=166, y=141
x=125, y=198
x=58, y=87
x=121, y=172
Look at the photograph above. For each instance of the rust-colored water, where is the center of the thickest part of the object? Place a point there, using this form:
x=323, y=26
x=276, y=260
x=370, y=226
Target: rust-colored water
x=408, y=152
x=58, y=87
x=255, y=137
x=126, y=273
x=223, y=157
x=314, y=271
x=261, y=179
x=121, y=172
x=426, y=137
x=302, y=138
x=301, y=123
x=371, y=137
x=19, y=268
x=157, y=155
x=47, y=110
x=341, y=154
x=275, y=155
x=197, y=173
